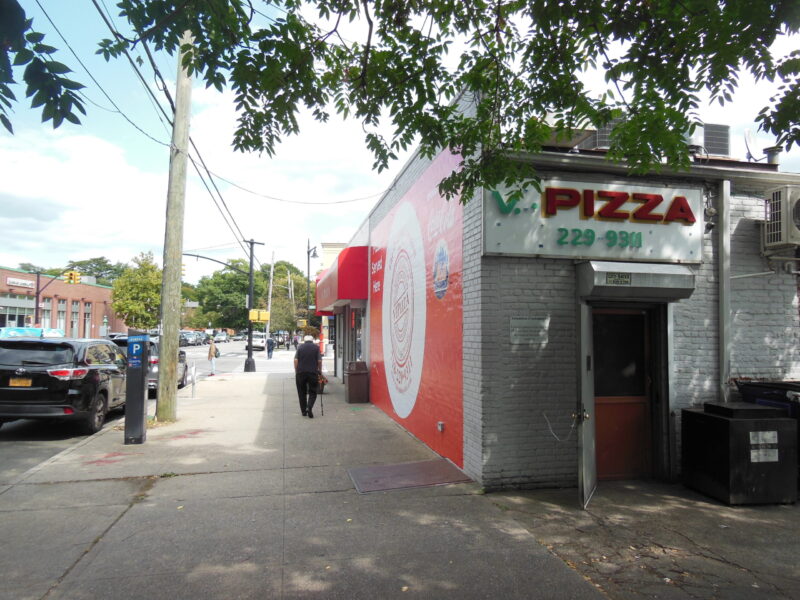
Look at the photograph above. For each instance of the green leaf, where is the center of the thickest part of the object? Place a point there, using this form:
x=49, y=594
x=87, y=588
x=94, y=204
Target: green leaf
x=57, y=67
x=34, y=37
x=24, y=56
x=6, y=123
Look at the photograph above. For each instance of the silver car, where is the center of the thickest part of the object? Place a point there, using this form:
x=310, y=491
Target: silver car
x=259, y=341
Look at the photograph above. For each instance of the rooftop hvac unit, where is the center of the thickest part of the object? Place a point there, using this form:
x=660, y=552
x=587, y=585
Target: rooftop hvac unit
x=782, y=222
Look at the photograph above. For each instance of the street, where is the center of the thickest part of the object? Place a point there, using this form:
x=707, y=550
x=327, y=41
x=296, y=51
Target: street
x=232, y=357
x=26, y=443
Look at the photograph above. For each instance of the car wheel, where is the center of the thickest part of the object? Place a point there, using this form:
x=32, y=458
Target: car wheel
x=94, y=419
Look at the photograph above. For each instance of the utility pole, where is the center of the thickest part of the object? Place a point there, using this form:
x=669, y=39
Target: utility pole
x=249, y=363
x=166, y=407
x=269, y=295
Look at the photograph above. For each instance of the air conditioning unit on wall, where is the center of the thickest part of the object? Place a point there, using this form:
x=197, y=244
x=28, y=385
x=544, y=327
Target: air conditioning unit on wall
x=782, y=221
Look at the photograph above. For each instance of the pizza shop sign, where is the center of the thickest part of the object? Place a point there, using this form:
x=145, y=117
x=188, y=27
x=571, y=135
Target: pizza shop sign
x=594, y=220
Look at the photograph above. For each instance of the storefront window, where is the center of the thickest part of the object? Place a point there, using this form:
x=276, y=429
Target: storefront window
x=47, y=312
x=61, y=323
x=73, y=324
x=16, y=310
x=87, y=319
x=354, y=346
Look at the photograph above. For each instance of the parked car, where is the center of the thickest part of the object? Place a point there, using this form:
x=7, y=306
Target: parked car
x=239, y=337
x=61, y=378
x=204, y=337
x=152, y=371
x=259, y=340
x=221, y=336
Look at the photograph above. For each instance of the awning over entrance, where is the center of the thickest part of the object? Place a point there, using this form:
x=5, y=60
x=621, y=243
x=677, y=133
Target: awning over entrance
x=634, y=281
x=345, y=280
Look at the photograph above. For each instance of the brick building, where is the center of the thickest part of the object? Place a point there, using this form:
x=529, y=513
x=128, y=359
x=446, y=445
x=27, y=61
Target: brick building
x=80, y=310
x=552, y=341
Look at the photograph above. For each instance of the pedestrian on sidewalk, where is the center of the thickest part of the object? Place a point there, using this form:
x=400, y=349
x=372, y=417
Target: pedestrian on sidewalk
x=307, y=367
x=270, y=346
x=213, y=353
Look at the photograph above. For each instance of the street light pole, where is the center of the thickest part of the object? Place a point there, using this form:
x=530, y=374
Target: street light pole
x=249, y=363
x=308, y=278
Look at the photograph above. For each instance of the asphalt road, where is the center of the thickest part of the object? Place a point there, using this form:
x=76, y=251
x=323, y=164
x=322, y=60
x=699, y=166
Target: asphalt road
x=26, y=443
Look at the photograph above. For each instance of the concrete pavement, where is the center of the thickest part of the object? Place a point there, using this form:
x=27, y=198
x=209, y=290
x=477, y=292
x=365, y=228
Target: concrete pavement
x=242, y=497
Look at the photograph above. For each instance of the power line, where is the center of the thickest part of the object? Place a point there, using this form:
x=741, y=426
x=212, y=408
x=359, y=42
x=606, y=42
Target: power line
x=97, y=83
x=277, y=199
x=231, y=223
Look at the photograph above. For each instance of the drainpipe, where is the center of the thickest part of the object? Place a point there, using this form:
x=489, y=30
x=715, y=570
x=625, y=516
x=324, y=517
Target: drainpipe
x=724, y=252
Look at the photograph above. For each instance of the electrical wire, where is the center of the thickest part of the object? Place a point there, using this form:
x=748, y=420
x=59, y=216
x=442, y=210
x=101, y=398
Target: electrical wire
x=97, y=83
x=230, y=221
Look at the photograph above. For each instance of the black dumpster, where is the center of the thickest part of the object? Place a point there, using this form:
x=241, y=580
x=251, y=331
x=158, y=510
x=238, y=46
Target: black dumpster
x=740, y=453
x=777, y=394
x=356, y=382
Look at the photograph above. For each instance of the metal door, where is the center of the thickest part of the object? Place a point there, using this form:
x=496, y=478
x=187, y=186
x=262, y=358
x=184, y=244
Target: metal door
x=587, y=469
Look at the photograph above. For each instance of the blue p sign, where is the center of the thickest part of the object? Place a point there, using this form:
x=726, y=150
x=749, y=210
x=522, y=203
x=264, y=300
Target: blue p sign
x=135, y=350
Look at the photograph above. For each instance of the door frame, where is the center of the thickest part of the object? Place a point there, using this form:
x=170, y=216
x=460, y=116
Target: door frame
x=662, y=444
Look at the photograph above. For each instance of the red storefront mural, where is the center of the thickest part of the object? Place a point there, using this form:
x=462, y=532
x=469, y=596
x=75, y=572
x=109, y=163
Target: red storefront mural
x=416, y=313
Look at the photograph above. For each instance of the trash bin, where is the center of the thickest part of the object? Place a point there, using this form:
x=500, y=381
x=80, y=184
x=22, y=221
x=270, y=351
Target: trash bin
x=740, y=453
x=356, y=382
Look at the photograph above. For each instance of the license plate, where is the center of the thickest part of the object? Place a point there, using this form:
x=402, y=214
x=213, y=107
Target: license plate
x=20, y=382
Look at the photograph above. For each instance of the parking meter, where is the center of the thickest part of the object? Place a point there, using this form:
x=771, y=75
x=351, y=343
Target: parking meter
x=136, y=391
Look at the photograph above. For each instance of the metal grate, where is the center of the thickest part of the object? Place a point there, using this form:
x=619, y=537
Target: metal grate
x=716, y=139
x=773, y=229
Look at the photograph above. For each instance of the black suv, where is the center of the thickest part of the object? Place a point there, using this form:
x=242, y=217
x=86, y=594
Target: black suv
x=61, y=378
x=152, y=371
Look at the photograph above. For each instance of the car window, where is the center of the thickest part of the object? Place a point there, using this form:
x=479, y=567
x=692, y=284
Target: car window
x=119, y=357
x=96, y=355
x=34, y=353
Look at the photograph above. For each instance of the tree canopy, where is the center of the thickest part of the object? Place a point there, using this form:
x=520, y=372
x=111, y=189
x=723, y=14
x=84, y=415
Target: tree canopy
x=136, y=294
x=519, y=66
x=223, y=296
x=100, y=268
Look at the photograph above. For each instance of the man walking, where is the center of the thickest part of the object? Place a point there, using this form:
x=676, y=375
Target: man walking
x=307, y=367
x=270, y=346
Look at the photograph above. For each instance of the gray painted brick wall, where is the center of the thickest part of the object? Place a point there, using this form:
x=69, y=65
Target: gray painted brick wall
x=519, y=401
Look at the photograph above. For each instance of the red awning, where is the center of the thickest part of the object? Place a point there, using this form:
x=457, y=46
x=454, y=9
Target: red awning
x=345, y=280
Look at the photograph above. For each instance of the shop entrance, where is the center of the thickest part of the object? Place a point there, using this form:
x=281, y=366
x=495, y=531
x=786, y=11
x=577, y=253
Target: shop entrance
x=622, y=393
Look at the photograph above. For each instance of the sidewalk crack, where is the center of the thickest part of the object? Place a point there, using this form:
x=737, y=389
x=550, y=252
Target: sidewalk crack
x=141, y=494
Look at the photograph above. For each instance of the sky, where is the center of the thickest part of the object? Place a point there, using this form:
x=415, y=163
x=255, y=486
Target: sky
x=99, y=189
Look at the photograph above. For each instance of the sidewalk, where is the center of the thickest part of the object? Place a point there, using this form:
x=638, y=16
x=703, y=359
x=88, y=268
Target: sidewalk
x=245, y=498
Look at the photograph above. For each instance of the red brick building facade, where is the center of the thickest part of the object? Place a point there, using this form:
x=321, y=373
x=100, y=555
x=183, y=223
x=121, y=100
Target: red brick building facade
x=80, y=310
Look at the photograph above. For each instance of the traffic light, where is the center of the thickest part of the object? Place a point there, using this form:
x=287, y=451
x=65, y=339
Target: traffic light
x=76, y=277
x=183, y=270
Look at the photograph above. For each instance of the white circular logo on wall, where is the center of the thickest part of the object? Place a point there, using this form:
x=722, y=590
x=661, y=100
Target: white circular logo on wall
x=404, y=310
